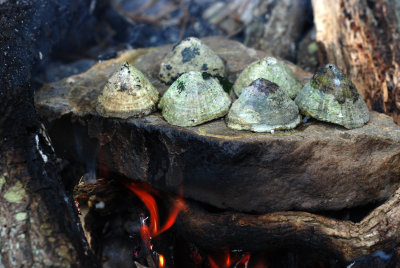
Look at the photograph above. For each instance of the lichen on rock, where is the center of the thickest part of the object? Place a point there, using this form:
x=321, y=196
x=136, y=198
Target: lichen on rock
x=15, y=194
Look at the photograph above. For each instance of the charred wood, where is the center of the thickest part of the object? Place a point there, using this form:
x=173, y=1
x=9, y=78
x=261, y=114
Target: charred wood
x=344, y=239
x=38, y=224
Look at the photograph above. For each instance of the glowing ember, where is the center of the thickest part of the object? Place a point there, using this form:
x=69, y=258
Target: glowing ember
x=77, y=207
x=161, y=261
x=145, y=234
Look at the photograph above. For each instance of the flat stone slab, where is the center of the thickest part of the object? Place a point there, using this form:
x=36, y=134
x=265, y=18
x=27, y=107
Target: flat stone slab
x=316, y=167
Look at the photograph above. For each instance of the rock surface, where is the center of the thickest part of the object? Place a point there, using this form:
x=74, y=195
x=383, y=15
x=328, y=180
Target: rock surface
x=319, y=166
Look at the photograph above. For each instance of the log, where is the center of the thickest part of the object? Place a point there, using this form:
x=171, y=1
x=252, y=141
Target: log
x=317, y=167
x=278, y=26
x=363, y=38
x=346, y=240
x=38, y=224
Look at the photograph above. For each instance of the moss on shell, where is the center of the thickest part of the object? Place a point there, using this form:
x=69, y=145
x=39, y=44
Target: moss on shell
x=330, y=96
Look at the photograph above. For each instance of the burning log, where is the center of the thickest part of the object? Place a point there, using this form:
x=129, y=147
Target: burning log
x=362, y=38
x=347, y=240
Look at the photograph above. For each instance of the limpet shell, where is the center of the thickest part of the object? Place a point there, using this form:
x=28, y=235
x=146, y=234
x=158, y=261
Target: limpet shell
x=194, y=98
x=273, y=70
x=263, y=107
x=190, y=55
x=128, y=93
x=330, y=96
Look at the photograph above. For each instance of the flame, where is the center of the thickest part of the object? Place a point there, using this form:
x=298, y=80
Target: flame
x=212, y=263
x=161, y=261
x=151, y=206
x=244, y=261
x=228, y=261
x=155, y=228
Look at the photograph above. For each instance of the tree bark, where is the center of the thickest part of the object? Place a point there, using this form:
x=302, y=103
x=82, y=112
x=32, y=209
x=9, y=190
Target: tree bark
x=345, y=239
x=38, y=225
x=278, y=26
x=363, y=38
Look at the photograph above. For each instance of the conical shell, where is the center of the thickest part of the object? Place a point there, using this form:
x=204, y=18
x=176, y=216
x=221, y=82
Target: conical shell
x=128, y=93
x=330, y=96
x=190, y=55
x=192, y=100
x=263, y=107
x=273, y=70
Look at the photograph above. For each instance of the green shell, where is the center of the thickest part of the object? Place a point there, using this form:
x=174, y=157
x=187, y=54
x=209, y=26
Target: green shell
x=192, y=100
x=263, y=107
x=330, y=96
x=190, y=55
x=273, y=70
x=128, y=93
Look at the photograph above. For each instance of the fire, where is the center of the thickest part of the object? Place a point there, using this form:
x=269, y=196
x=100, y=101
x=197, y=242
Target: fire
x=161, y=261
x=77, y=207
x=228, y=261
x=155, y=228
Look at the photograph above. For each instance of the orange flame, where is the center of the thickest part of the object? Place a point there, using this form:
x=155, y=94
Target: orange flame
x=151, y=205
x=228, y=261
x=245, y=260
x=161, y=261
x=212, y=263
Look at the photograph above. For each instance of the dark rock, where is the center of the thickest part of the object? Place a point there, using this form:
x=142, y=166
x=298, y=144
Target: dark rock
x=317, y=167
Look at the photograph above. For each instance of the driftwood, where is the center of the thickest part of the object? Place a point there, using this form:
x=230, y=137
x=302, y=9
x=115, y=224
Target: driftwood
x=344, y=239
x=363, y=38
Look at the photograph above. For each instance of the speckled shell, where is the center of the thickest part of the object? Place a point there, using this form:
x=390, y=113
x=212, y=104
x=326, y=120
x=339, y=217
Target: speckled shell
x=128, y=93
x=273, y=70
x=263, y=107
x=190, y=55
x=330, y=96
x=192, y=100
